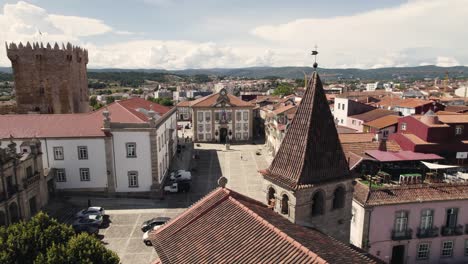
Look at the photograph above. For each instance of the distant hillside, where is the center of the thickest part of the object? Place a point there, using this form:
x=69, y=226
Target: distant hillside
x=405, y=73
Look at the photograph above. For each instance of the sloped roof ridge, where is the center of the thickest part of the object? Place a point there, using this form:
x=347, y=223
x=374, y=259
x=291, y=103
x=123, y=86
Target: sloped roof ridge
x=197, y=203
x=126, y=109
x=277, y=231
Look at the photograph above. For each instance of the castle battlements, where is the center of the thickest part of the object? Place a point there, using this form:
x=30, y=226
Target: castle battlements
x=68, y=52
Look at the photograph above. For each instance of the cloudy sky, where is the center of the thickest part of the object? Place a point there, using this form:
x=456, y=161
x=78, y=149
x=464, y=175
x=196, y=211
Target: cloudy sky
x=179, y=34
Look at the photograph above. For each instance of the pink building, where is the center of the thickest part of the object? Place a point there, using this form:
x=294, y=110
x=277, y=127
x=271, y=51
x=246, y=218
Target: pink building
x=424, y=223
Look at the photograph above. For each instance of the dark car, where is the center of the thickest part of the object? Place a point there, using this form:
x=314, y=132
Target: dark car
x=147, y=225
x=92, y=230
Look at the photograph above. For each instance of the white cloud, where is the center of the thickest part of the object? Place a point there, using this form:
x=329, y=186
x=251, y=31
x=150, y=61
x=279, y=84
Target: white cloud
x=446, y=61
x=79, y=26
x=379, y=37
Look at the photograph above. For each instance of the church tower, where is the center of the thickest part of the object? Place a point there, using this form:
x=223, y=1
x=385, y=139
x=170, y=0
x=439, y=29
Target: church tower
x=308, y=181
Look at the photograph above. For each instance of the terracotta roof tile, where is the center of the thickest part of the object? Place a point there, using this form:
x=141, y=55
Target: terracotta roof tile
x=310, y=151
x=283, y=109
x=383, y=122
x=227, y=227
x=412, y=103
x=356, y=137
x=410, y=193
x=211, y=100
x=76, y=125
x=373, y=114
x=448, y=119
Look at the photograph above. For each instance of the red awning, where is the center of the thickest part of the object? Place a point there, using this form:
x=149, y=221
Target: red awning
x=384, y=156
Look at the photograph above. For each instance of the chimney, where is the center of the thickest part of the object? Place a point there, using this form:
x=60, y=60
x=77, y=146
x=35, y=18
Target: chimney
x=107, y=120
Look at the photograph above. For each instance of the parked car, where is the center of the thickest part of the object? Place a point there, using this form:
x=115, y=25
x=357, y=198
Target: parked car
x=146, y=239
x=176, y=187
x=90, y=219
x=149, y=224
x=90, y=229
x=91, y=210
x=181, y=175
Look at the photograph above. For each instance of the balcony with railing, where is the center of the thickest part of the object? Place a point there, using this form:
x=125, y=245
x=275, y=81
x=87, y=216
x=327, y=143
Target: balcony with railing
x=427, y=232
x=402, y=234
x=452, y=230
x=31, y=180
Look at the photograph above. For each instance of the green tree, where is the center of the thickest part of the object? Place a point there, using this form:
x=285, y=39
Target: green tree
x=93, y=101
x=44, y=240
x=110, y=99
x=283, y=89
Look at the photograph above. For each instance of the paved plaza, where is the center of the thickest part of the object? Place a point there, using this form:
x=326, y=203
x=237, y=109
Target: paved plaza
x=239, y=164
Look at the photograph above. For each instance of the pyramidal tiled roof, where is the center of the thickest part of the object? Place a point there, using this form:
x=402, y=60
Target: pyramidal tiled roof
x=311, y=151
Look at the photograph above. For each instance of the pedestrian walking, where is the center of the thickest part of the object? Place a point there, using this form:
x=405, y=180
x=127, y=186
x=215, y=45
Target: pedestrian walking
x=242, y=158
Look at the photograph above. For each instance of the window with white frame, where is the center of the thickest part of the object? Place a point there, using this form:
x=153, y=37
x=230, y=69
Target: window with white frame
x=200, y=116
x=84, y=174
x=385, y=133
x=131, y=150
x=82, y=152
x=246, y=135
x=238, y=135
x=458, y=130
x=423, y=251
x=354, y=122
x=217, y=116
x=60, y=175
x=246, y=126
x=403, y=126
x=447, y=248
x=208, y=116
x=132, y=179
x=200, y=128
x=201, y=137
x=238, y=126
x=208, y=136
x=246, y=115
x=238, y=116
x=208, y=128
x=339, y=105
x=426, y=219
x=401, y=221
x=58, y=153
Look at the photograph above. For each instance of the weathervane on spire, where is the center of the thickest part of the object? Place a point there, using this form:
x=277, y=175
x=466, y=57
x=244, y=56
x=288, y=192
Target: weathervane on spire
x=315, y=53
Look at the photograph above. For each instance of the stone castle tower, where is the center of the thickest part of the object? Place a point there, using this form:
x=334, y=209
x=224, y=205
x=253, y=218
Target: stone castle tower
x=308, y=181
x=49, y=80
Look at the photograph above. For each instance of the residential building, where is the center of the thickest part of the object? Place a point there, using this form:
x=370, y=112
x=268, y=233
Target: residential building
x=276, y=124
x=370, y=87
x=382, y=127
x=163, y=93
x=308, y=181
x=226, y=227
x=184, y=113
x=125, y=148
x=356, y=122
x=420, y=223
x=344, y=108
x=24, y=189
x=445, y=135
x=223, y=118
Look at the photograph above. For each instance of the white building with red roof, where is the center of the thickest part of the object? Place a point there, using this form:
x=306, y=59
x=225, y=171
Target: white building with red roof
x=126, y=147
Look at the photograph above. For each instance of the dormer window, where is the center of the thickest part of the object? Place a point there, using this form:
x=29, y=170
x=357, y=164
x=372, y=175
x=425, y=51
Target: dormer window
x=458, y=130
x=403, y=126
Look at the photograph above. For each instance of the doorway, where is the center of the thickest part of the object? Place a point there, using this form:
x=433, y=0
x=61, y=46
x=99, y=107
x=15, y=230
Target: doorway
x=223, y=135
x=398, y=254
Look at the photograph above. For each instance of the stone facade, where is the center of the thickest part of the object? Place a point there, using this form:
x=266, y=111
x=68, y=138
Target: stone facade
x=24, y=188
x=50, y=80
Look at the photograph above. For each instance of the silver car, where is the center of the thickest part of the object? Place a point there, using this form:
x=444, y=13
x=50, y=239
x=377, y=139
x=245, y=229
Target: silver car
x=90, y=219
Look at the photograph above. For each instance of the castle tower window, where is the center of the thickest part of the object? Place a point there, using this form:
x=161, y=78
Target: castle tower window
x=339, y=198
x=285, y=204
x=317, y=204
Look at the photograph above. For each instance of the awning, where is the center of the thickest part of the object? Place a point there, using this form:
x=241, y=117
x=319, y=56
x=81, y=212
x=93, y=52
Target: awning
x=389, y=156
x=434, y=166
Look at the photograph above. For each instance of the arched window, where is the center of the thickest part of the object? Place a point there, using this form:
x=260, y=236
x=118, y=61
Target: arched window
x=284, y=204
x=271, y=198
x=14, y=213
x=339, y=198
x=317, y=203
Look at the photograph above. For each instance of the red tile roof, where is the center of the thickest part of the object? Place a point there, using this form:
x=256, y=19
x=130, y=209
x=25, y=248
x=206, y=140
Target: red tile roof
x=310, y=152
x=410, y=193
x=383, y=122
x=404, y=155
x=76, y=125
x=412, y=103
x=210, y=100
x=283, y=109
x=373, y=114
x=227, y=227
x=356, y=137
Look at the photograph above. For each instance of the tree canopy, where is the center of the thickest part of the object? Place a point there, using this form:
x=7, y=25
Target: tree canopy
x=44, y=240
x=283, y=89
